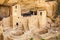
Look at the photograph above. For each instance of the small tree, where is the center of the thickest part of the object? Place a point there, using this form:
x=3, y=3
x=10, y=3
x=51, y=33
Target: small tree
x=58, y=9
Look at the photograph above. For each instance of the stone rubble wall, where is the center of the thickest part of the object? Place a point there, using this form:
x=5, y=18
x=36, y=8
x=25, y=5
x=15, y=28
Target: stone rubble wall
x=6, y=22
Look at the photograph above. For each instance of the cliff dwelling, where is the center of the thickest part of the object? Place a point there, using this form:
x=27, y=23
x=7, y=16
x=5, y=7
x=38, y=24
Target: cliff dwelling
x=29, y=20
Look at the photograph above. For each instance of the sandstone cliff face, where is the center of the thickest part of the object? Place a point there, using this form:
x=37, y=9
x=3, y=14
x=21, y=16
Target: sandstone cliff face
x=29, y=4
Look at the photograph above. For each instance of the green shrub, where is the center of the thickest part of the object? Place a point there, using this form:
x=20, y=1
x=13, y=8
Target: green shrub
x=58, y=37
x=58, y=9
x=31, y=38
x=42, y=38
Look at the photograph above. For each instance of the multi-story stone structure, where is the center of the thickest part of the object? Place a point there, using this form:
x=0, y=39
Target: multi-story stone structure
x=27, y=15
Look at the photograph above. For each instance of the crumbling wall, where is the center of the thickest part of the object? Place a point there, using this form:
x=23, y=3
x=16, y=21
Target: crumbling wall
x=6, y=22
x=4, y=11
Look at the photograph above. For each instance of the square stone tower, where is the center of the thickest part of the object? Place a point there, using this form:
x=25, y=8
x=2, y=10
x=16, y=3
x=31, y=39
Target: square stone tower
x=16, y=13
x=42, y=18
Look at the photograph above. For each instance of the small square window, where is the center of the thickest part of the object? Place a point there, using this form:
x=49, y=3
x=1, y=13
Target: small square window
x=16, y=7
x=40, y=13
x=17, y=24
x=35, y=12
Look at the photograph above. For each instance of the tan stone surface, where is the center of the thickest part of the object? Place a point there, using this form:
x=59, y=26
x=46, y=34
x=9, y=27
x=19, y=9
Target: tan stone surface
x=28, y=25
x=42, y=18
x=33, y=22
x=2, y=1
x=32, y=4
x=15, y=11
x=12, y=1
x=6, y=22
x=1, y=30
